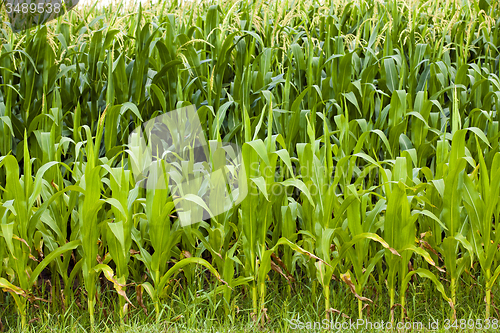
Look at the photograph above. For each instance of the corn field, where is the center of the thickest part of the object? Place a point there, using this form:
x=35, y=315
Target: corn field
x=369, y=133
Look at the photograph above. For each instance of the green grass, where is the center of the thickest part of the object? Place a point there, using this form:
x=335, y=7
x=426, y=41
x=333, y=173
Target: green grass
x=370, y=143
x=185, y=313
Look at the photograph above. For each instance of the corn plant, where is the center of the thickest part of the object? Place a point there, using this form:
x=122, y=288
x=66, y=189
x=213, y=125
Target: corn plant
x=481, y=200
x=19, y=219
x=369, y=134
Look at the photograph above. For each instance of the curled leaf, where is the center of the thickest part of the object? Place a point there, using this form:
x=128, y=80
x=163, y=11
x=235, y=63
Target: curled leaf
x=22, y=241
x=138, y=293
x=332, y=310
x=123, y=294
x=9, y=287
x=346, y=277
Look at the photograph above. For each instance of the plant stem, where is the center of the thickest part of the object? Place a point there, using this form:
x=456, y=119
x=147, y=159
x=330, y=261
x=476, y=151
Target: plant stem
x=90, y=303
x=254, y=298
x=391, y=295
x=453, y=288
x=326, y=292
x=360, y=309
x=488, y=294
x=403, y=304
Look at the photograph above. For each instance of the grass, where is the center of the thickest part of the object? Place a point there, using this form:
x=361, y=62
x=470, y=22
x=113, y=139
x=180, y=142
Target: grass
x=185, y=313
x=369, y=136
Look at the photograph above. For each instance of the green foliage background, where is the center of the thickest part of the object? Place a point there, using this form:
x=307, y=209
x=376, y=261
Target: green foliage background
x=378, y=120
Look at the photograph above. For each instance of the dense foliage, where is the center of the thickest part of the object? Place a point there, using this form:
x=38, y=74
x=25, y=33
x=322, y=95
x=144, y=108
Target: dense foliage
x=378, y=122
